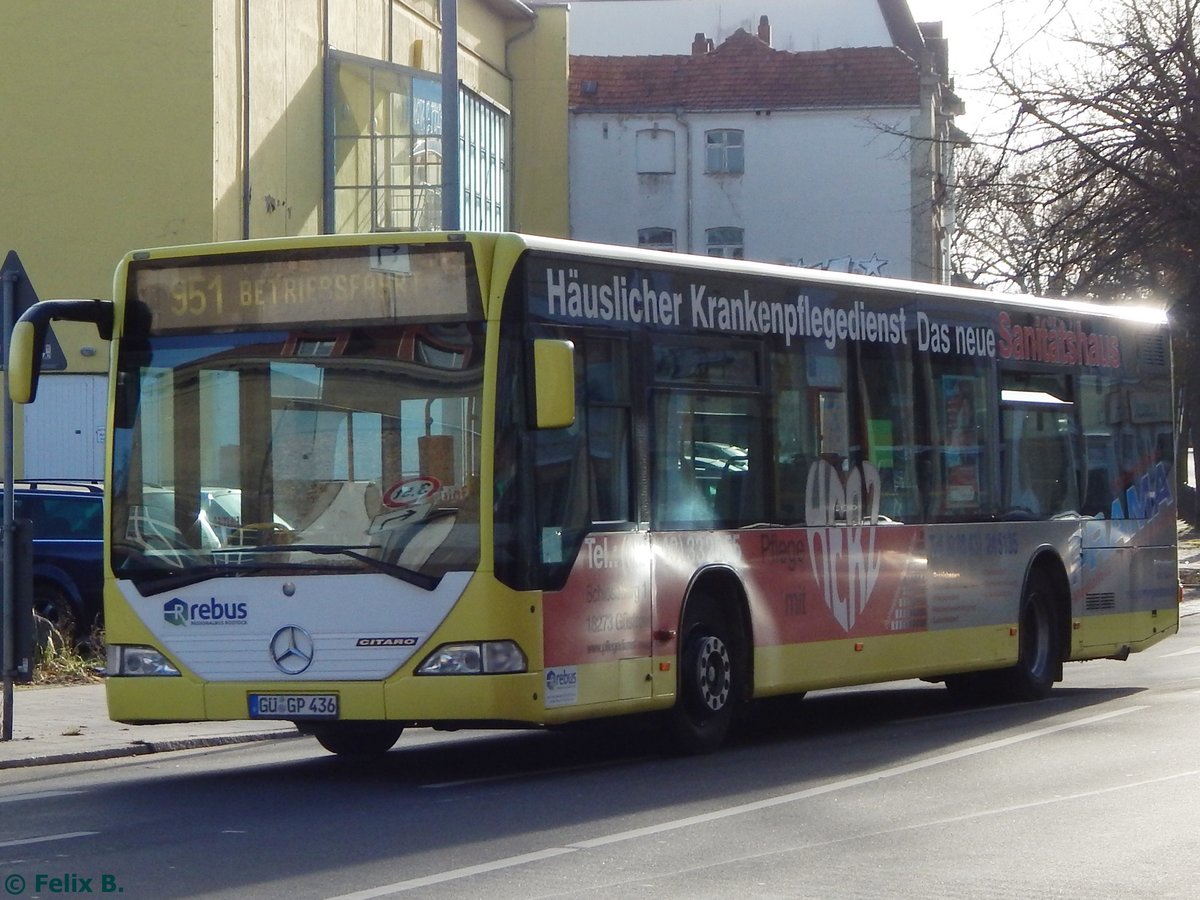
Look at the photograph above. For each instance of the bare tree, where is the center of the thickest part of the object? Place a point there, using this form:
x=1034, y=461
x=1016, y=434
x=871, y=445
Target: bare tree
x=1092, y=190
x=1031, y=221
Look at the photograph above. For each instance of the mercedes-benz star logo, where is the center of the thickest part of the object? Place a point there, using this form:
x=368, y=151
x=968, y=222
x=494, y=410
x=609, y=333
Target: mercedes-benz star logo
x=292, y=649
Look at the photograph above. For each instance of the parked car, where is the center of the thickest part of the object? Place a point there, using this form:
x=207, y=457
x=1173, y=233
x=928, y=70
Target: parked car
x=68, y=551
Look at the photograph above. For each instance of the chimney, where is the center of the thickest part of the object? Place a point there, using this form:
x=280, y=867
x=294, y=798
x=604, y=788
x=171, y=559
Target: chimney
x=764, y=30
x=701, y=44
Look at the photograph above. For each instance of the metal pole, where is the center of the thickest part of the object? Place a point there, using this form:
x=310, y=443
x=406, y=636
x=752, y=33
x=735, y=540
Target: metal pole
x=9, y=531
x=451, y=178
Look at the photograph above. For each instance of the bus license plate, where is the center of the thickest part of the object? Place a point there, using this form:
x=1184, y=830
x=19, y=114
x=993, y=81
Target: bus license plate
x=293, y=706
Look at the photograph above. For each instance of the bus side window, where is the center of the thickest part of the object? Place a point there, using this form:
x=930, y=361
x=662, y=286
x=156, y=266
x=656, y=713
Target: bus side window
x=683, y=489
x=1039, y=427
x=957, y=416
x=708, y=461
x=795, y=435
x=1126, y=433
x=886, y=400
x=609, y=430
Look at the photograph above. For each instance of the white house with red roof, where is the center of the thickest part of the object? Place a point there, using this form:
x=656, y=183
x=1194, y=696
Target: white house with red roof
x=838, y=157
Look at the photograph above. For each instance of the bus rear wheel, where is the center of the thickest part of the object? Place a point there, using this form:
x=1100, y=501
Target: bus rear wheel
x=709, y=688
x=1039, y=660
x=1039, y=653
x=358, y=740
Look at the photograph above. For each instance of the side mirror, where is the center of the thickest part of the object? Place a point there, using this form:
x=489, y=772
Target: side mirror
x=554, y=383
x=24, y=362
x=29, y=339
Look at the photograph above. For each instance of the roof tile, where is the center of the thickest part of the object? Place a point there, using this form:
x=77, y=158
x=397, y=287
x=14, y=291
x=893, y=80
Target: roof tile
x=745, y=73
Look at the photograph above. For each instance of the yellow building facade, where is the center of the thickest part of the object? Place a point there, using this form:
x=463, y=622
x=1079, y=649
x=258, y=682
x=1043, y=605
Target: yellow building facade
x=140, y=123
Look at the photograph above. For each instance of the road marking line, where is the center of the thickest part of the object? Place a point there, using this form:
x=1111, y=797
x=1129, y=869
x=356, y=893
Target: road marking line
x=935, y=823
x=857, y=781
x=38, y=795
x=465, y=872
x=1180, y=652
x=730, y=811
x=49, y=837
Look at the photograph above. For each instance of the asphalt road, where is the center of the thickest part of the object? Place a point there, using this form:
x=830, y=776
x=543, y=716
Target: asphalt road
x=881, y=792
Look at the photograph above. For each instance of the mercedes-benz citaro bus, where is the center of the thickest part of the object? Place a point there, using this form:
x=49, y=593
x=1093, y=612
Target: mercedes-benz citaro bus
x=372, y=482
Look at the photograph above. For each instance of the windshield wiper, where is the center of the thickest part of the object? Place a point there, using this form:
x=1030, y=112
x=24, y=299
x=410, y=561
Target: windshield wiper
x=410, y=576
x=151, y=583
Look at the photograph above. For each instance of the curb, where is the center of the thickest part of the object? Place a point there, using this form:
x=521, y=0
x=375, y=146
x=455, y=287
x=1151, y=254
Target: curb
x=144, y=748
x=1189, y=573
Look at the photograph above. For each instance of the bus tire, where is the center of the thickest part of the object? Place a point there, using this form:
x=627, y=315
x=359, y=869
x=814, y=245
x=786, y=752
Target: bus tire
x=709, y=687
x=1039, y=653
x=1039, y=657
x=358, y=740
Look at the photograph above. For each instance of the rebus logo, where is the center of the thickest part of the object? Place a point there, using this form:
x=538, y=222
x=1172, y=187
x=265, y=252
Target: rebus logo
x=177, y=611
x=557, y=679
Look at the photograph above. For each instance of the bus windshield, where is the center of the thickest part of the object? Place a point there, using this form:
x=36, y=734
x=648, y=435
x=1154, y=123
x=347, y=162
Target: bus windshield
x=317, y=450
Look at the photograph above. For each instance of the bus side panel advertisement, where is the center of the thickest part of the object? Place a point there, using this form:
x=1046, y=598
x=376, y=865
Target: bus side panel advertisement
x=603, y=611
x=635, y=297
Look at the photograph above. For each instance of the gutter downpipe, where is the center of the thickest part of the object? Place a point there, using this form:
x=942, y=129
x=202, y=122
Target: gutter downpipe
x=245, y=120
x=509, y=187
x=682, y=118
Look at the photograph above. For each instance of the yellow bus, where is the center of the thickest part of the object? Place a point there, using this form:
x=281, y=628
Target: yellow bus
x=372, y=482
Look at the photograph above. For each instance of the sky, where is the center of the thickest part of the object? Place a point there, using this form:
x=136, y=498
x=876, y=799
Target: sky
x=973, y=27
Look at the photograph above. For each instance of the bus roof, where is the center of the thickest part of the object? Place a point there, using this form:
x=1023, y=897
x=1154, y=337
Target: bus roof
x=1146, y=314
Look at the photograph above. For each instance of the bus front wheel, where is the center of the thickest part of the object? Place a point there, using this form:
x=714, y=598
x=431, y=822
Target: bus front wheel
x=709, y=685
x=357, y=739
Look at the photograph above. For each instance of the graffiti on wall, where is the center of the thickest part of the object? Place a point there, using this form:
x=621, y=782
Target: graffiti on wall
x=850, y=264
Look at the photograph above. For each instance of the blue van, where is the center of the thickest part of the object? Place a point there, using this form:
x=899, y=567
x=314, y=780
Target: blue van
x=68, y=551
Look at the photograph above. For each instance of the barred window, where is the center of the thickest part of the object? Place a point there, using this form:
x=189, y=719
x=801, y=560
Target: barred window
x=383, y=160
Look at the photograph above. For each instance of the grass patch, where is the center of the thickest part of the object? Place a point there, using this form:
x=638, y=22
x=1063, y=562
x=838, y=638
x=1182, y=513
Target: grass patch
x=62, y=660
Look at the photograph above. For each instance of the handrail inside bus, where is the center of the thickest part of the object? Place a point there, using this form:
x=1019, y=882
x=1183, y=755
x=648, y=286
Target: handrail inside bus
x=1041, y=398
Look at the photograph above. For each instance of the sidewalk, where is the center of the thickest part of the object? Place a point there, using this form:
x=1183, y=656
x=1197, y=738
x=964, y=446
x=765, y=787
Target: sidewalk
x=1189, y=554
x=69, y=723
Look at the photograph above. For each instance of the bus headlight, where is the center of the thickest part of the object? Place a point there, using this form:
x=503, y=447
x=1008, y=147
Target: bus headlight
x=480, y=658
x=133, y=660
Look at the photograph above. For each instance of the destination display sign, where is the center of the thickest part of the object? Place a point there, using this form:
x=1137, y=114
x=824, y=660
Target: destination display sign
x=341, y=286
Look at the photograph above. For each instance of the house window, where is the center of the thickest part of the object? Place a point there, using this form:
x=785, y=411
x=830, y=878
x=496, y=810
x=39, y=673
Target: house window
x=383, y=155
x=656, y=238
x=724, y=151
x=726, y=241
x=484, y=163
x=655, y=151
